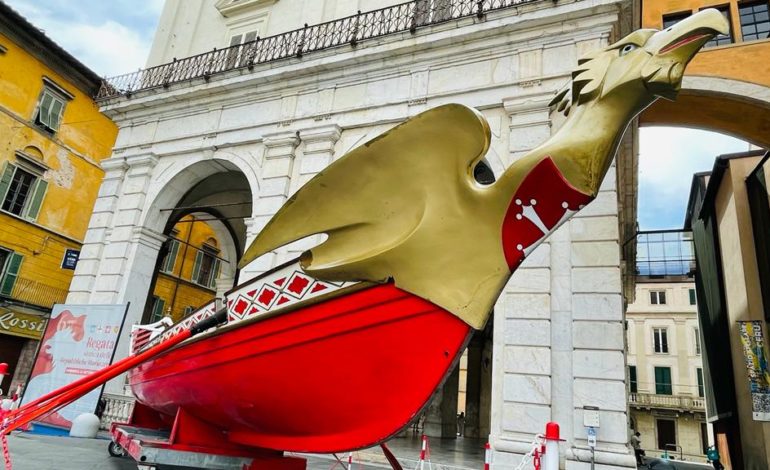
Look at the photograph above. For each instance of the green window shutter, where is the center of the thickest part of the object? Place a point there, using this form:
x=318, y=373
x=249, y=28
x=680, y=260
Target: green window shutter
x=214, y=274
x=663, y=381
x=33, y=207
x=5, y=179
x=56, y=112
x=632, y=378
x=11, y=273
x=173, y=250
x=701, y=391
x=157, y=309
x=44, y=111
x=197, y=266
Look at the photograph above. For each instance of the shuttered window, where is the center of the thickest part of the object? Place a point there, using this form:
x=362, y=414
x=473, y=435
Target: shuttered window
x=170, y=261
x=10, y=263
x=49, y=111
x=21, y=191
x=157, y=309
x=663, y=381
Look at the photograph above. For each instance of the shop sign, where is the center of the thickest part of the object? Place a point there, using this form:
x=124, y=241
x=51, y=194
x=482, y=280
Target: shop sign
x=22, y=324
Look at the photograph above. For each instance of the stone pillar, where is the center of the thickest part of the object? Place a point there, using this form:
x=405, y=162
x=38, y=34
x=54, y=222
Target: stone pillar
x=274, y=185
x=473, y=390
x=105, y=206
x=441, y=416
x=318, y=152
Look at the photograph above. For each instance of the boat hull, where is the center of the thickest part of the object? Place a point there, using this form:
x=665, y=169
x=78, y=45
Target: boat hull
x=342, y=374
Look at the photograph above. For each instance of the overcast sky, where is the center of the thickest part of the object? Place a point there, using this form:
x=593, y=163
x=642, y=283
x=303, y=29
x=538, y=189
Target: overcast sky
x=113, y=37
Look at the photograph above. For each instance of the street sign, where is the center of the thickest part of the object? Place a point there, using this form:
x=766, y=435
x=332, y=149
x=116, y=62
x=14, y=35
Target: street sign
x=70, y=259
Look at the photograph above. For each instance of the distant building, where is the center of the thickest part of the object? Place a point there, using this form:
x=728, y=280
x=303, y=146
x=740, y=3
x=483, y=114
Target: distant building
x=729, y=214
x=666, y=391
x=52, y=139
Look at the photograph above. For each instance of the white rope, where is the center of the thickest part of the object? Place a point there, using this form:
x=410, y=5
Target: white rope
x=528, y=456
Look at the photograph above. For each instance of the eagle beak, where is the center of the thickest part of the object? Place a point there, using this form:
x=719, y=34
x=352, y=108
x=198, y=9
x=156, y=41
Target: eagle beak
x=674, y=47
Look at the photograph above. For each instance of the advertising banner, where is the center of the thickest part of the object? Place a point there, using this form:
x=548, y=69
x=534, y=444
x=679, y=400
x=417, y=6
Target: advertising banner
x=79, y=340
x=756, y=365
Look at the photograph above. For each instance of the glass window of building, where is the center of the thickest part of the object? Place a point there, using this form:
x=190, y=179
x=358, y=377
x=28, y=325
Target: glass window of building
x=755, y=20
x=658, y=297
x=663, y=381
x=21, y=191
x=10, y=263
x=632, y=379
x=660, y=340
x=157, y=309
x=50, y=110
x=671, y=19
x=206, y=267
x=696, y=334
x=699, y=373
x=170, y=260
x=693, y=301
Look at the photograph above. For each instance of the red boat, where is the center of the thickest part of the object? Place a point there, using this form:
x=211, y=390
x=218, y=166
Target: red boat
x=345, y=369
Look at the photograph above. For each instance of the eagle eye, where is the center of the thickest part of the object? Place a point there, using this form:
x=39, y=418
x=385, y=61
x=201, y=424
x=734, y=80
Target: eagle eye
x=628, y=48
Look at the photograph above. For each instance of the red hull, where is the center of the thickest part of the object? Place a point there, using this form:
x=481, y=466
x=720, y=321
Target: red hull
x=342, y=374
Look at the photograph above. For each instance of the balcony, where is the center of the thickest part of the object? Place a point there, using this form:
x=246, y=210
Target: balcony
x=668, y=402
x=37, y=293
x=349, y=31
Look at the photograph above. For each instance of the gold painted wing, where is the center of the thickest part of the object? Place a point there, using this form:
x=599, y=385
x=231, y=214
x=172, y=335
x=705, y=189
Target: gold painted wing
x=375, y=198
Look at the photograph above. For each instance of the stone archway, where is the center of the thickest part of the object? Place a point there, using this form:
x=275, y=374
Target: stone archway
x=740, y=109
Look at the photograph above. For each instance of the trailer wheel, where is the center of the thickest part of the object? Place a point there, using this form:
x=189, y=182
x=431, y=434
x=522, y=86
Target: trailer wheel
x=115, y=449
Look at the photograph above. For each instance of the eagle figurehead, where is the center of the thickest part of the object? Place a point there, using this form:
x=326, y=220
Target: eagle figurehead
x=405, y=206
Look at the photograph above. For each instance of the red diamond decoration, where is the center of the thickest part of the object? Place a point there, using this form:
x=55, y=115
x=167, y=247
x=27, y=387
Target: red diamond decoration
x=229, y=303
x=318, y=287
x=282, y=300
x=267, y=296
x=240, y=306
x=298, y=284
x=252, y=293
x=279, y=282
x=254, y=309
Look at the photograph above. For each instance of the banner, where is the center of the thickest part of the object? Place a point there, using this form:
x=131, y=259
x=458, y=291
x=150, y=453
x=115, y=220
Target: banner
x=756, y=365
x=79, y=340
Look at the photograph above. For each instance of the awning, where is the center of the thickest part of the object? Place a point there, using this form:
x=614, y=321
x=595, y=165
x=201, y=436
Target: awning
x=26, y=325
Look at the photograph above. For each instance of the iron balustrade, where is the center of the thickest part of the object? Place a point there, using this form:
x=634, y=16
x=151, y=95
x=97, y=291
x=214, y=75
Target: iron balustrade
x=350, y=30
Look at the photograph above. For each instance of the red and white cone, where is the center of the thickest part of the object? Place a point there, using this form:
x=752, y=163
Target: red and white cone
x=551, y=454
x=487, y=457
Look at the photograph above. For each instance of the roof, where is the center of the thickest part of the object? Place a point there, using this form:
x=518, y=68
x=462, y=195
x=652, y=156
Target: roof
x=721, y=163
x=34, y=41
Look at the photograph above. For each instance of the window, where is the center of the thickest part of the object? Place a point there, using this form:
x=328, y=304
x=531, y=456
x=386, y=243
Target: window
x=188, y=310
x=206, y=267
x=704, y=438
x=660, y=340
x=674, y=18
x=157, y=309
x=663, y=381
x=633, y=386
x=21, y=191
x=666, y=434
x=699, y=373
x=658, y=297
x=235, y=55
x=10, y=263
x=692, y=296
x=755, y=23
x=49, y=110
x=170, y=260
x=696, y=334
x=722, y=39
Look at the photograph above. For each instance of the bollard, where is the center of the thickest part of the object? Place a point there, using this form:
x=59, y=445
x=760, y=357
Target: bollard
x=3, y=371
x=350, y=460
x=425, y=453
x=487, y=457
x=551, y=455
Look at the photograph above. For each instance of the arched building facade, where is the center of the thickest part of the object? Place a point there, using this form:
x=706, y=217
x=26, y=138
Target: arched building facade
x=556, y=343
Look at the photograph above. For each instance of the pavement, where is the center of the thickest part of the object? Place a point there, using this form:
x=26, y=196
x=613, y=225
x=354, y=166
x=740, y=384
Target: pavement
x=43, y=452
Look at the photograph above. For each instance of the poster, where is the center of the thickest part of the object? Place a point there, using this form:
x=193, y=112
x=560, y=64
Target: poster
x=756, y=365
x=79, y=340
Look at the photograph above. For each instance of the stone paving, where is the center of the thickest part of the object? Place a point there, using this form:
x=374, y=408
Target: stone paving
x=39, y=452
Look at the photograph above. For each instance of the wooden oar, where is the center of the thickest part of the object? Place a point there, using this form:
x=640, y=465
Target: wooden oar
x=63, y=396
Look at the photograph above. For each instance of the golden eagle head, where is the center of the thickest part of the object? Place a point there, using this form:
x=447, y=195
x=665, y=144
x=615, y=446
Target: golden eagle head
x=642, y=66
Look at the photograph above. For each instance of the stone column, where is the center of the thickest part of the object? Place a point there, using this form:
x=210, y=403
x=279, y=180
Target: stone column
x=473, y=390
x=441, y=416
x=274, y=185
x=105, y=206
x=318, y=152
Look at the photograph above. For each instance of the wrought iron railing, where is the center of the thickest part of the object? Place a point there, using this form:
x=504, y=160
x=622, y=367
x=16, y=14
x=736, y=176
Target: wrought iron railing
x=351, y=30
x=674, y=402
x=37, y=293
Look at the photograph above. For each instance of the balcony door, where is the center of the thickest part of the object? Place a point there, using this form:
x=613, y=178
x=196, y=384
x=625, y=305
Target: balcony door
x=663, y=381
x=666, y=434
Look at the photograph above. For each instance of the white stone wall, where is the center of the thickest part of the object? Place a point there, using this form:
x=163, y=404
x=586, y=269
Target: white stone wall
x=558, y=342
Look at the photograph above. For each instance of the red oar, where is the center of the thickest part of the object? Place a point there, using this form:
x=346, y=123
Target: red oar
x=71, y=392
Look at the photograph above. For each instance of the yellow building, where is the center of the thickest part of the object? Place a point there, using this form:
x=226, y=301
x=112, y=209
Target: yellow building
x=187, y=273
x=52, y=137
x=727, y=83
x=729, y=212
